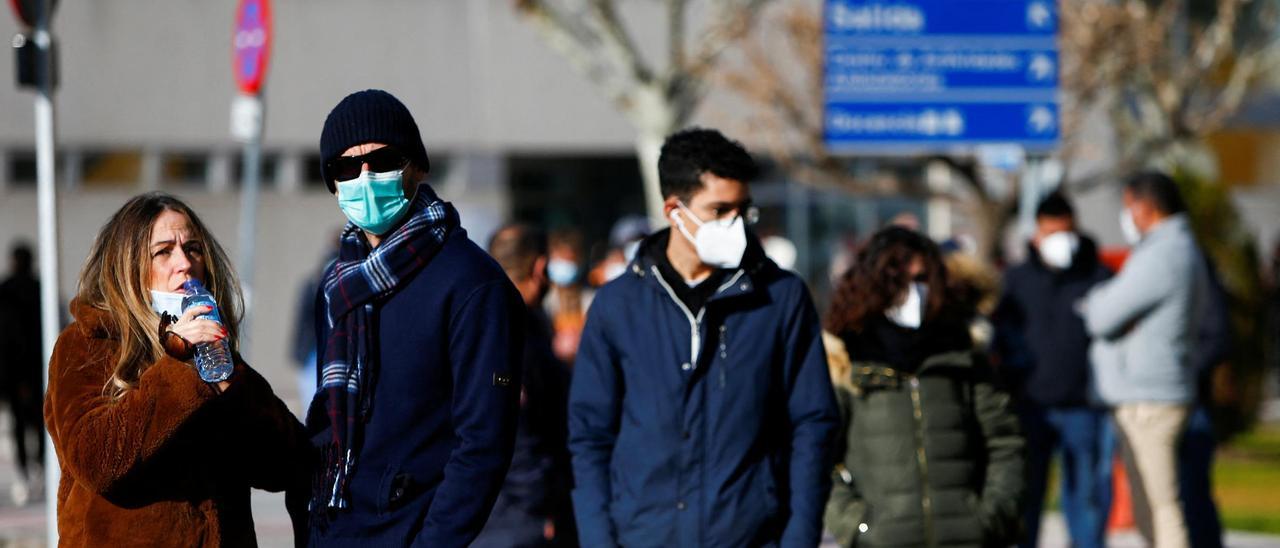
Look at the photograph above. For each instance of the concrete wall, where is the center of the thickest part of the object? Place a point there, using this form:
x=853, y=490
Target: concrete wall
x=158, y=73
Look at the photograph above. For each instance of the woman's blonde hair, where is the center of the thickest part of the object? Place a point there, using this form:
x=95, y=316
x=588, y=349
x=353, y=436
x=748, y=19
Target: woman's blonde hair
x=116, y=279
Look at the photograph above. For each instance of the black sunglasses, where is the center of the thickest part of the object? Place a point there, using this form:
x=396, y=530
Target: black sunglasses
x=345, y=168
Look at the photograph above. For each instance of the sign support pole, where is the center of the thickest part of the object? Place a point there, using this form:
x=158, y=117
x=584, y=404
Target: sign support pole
x=249, y=182
x=251, y=46
x=47, y=207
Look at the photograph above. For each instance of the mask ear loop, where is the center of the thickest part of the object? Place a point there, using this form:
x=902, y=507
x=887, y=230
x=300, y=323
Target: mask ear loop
x=680, y=225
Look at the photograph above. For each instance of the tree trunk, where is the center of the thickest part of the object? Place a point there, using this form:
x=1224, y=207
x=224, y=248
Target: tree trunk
x=656, y=113
x=648, y=148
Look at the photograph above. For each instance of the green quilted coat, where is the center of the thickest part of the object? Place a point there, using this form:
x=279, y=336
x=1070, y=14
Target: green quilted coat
x=930, y=458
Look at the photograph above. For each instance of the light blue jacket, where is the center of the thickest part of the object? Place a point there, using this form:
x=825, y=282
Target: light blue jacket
x=1145, y=319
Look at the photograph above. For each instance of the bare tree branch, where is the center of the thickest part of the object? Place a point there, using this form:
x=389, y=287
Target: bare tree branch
x=676, y=14
x=580, y=45
x=731, y=19
x=621, y=48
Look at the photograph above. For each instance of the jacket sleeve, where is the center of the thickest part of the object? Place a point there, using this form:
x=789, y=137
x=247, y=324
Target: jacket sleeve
x=1010, y=350
x=276, y=447
x=813, y=418
x=1001, y=501
x=595, y=408
x=100, y=441
x=846, y=509
x=486, y=336
x=276, y=456
x=1114, y=305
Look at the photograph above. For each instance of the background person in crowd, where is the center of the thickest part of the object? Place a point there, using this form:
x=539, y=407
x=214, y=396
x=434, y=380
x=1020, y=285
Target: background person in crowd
x=973, y=285
x=21, y=369
x=929, y=452
x=1044, y=352
x=420, y=334
x=305, y=353
x=533, y=508
x=1198, y=443
x=1145, y=323
x=569, y=298
x=700, y=412
x=624, y=240
x=152, y=455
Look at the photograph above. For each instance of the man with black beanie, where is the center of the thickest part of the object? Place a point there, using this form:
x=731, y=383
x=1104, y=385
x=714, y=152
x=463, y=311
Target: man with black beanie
x=419, y=336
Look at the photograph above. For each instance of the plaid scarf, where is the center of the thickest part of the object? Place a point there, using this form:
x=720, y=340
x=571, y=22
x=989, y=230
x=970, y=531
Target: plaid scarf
x=360, y=276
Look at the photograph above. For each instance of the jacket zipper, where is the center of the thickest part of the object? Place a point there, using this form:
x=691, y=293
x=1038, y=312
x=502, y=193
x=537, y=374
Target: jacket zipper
x=695, y=322
x=922, y=461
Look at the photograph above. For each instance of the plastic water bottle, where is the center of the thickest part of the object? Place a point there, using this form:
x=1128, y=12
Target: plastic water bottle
x=213, y=359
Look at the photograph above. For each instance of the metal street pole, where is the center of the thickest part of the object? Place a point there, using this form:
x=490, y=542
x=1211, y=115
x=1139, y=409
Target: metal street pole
x=47, y=206
x=249, y=182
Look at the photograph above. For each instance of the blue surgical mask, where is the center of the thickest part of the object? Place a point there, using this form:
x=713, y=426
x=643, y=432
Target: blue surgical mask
x=375, y=202
x=562, y=273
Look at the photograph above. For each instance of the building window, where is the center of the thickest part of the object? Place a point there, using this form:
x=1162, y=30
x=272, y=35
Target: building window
x=22, y=167
x=111, y=168
x=184, y=169
x=267, y=167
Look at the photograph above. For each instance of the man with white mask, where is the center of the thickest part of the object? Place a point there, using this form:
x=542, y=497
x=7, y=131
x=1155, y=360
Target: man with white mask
x=701, y=410
x=1146, y=321
x=1043, y=347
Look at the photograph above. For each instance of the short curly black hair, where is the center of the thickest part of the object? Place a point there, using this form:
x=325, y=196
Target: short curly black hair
x=689, y=153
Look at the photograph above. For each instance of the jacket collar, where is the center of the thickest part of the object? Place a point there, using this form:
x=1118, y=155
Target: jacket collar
x=1172, y=226
x=742, y=281
x=92, y=322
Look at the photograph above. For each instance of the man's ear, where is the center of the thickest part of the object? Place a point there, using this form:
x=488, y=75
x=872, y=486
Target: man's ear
x=540, y=268
x=669, y=205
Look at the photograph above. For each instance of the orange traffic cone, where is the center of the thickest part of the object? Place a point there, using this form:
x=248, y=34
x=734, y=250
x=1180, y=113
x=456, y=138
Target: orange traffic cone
x=1121, y=499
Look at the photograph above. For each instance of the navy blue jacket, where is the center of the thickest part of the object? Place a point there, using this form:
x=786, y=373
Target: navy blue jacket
x=443, y=420
x=701, y=428
x=1040, y=334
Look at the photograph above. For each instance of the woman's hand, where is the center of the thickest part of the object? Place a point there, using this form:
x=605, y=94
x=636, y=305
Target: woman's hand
x=180, y=336
x=198, y=331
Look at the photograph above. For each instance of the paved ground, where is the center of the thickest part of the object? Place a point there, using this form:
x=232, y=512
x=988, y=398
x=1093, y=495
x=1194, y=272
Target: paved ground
x=25, y=527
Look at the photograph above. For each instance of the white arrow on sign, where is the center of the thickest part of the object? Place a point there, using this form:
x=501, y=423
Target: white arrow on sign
x=953, y=123
x=1041, y=120
x=1042, y=68
x=1038, y=15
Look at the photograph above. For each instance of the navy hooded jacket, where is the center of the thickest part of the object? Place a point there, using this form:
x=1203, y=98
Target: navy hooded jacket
x=442, y=424
x=1040, y=334
x=701, y=428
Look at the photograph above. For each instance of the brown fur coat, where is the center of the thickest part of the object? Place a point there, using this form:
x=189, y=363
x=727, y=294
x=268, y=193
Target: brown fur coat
x=172, y=461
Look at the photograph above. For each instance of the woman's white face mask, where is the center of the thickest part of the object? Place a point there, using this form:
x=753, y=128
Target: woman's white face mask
x=166, y=302
x=909, y=313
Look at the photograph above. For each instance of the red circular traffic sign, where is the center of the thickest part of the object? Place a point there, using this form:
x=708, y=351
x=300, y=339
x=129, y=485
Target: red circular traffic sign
x=251, y=44
x=26, y=10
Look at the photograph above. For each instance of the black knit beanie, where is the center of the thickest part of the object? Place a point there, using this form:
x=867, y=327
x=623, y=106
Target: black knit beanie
x=370, y=116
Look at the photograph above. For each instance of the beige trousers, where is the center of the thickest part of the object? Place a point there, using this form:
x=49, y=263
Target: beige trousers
x=1149, y=433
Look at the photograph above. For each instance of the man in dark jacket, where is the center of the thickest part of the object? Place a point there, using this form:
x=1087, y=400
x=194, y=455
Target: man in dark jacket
x=701, y=412
x=419, y=334
x=1042, y=340
x=20, y=367
x=533, y=507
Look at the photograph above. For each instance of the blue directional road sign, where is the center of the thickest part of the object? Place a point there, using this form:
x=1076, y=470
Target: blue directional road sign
x=937, y=74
